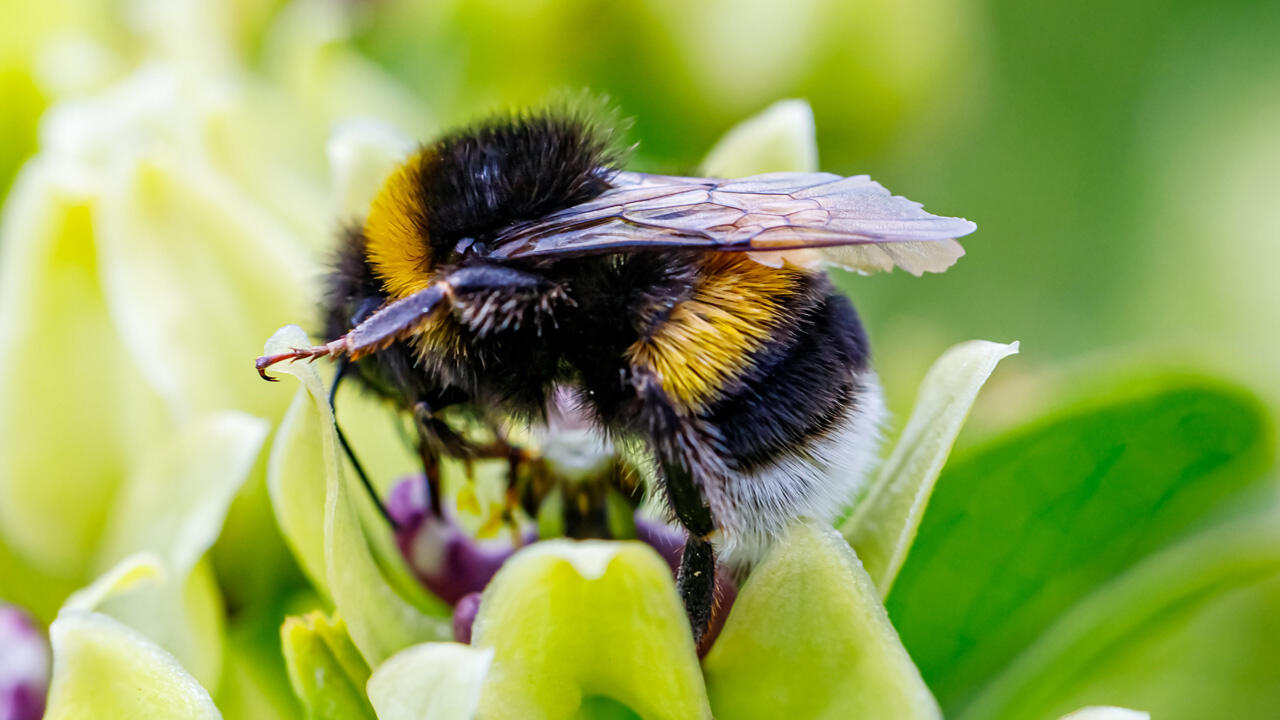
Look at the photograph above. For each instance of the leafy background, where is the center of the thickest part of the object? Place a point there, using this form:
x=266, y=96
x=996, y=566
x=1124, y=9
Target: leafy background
x=1106, y=530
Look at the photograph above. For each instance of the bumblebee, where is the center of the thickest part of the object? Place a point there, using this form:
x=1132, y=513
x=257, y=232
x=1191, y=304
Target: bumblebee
x=691, y=315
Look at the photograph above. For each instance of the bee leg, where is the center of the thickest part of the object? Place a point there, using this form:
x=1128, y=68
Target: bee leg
x=696, y=579
x=671, y=437
x=343, y=367
x=432, y=434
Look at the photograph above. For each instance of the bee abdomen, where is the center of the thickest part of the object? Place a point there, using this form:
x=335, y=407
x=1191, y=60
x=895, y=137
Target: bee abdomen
x=798, y=429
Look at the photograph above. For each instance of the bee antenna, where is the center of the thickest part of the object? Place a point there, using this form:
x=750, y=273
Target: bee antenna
x=343, y=366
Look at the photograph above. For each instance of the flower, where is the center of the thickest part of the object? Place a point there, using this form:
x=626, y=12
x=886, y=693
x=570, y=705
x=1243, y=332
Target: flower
x=24, y=666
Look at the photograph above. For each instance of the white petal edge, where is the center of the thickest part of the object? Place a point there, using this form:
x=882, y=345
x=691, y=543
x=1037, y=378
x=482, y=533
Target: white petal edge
x=121, y=578
x=1107, y=713
x=884, y=523
x=431, y=681
x=175, y=504
x=779, y=138
x=590, y=558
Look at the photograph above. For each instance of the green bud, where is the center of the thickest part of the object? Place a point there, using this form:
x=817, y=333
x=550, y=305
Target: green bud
x=326, y=670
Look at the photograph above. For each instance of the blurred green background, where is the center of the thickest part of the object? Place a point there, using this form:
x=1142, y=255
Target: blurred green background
x=1121, y=159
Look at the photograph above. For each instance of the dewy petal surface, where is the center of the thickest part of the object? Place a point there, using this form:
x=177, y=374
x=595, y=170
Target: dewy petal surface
x=884, y=523
x=808, y=638
x=592, y=622
x=104, y=669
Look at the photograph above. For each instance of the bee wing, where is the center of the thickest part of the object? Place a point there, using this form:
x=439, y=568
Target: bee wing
x=807, y=219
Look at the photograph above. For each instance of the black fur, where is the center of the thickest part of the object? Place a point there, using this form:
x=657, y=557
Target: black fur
x=491, y=175
x=352, y=293
x=798, y=387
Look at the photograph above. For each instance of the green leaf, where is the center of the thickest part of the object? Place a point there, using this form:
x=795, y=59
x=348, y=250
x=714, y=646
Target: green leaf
x=431, y=681
x=884, y=523
x=779, y=138
x=381, y=621
x=569, y=622
x=326, y=671
x=1183, y=635
x=1020, y=532
x=808, y=638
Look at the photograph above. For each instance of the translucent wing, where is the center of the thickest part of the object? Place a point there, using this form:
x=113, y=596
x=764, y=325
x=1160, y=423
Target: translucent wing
x=803, y=218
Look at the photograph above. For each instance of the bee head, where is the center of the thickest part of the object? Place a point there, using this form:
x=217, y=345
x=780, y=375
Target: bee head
x=453, y=195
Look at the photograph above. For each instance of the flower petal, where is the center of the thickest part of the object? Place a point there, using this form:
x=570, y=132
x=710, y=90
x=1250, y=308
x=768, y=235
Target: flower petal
x=574, y=624
x=102, y=668
x=195, y=274
x=294, y=468
x=67, y=379
x=175, y=504
x=808, y=638
x=174, y=507
x=381, y=620
x=1107, y=713
x=884, y=523
x=431, y=681
x=123, y=577
x=780, y=138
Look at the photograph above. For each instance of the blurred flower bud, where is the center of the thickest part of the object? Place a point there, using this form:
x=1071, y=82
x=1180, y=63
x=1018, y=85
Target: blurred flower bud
x=326, y=670
x=464, y=616
x=24, y=666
